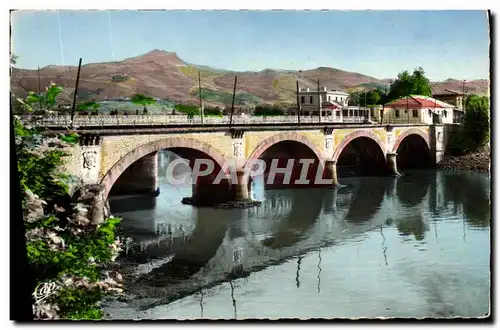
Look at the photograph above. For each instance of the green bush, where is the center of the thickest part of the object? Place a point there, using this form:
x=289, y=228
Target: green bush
x=212, y=112
x=475, y=131
x=189, y=110
x=268, y=110
x=65, y=250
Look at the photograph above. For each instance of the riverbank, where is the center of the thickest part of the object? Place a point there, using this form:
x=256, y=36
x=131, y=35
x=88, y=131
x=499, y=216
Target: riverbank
x=478, y=161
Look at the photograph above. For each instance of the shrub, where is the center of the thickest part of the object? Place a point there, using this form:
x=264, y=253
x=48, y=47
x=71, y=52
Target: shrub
x=268, y=110
x=476, y=126
x=67, y=253
x=189, y=110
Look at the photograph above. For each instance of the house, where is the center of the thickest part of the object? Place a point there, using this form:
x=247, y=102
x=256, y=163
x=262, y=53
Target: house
x=331, y=102
x=453, y=97
x=418, y=109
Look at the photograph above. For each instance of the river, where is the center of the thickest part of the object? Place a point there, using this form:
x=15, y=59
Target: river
x=415, y=246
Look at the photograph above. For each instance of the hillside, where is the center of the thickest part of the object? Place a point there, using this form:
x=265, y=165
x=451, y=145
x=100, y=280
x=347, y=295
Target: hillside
x=164, y=75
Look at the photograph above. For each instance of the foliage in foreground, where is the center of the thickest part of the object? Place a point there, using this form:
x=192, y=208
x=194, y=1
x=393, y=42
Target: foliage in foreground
x=68, y=254
x=475, y=132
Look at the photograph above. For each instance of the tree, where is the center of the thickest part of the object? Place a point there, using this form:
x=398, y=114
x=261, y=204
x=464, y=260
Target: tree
x=268, y=110
x=477, y=120
x=45, y=101
x=475, y=131
x=141, y=99
x=91, y=105
x=13, y=59
x=368, y=98
x=407, y=84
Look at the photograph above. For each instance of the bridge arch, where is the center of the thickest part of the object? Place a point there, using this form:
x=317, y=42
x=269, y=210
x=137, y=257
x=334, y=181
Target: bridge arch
x=122, y=164
x=407, y=133
x=354, y=135
x=282, y=137
x=413, y=149
x=286, y=139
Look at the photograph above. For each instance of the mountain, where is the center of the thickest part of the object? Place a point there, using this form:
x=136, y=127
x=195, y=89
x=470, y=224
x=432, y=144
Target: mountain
x=164, y=75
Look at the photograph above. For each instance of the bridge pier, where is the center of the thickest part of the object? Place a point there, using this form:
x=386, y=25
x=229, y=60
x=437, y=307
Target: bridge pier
x=140, y=178
x=392, y=164
x=239, y=189
x=330, y=172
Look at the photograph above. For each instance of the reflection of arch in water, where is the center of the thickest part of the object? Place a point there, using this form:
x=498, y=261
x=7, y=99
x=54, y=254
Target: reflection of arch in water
x=411, y=189
x=413, y=225
x=201, y=246
x=306, y=209
x=367, y=200
x=139, y=215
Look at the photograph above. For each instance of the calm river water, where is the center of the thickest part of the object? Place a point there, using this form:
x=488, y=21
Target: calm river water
x=415, y=246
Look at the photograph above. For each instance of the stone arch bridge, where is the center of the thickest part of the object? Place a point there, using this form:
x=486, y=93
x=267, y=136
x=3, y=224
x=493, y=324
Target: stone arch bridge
x=125, y=158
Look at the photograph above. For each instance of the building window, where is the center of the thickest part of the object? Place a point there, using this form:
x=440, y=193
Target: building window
x=444, y=113
x=338, y=113
x=415, y=113
x=430, y=113
x=302, y=99
x=372, y=112
x=310, y=99
x=329, y=97
x=336, y=98
x=345, y=113
x=396, y=113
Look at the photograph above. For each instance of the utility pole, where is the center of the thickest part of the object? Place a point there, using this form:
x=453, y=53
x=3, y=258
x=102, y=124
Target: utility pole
x=463, y=96
x=319, y=103
x=39, y=90
x=365, y=103
x=232, y=105
x=298, y=103
x=76, y=92
x=407, y=110
x=201, y=102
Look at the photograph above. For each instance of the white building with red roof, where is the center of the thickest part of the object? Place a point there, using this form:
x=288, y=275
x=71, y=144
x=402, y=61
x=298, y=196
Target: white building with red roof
x=418, y=109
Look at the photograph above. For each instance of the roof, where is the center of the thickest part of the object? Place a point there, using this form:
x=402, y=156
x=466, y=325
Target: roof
x=418, y=101
x=331, y=105
x=441, y=103
x=448, y=92
x=315, y=91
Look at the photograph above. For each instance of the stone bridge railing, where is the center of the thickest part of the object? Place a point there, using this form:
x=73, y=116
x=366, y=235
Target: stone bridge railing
x=144, y=120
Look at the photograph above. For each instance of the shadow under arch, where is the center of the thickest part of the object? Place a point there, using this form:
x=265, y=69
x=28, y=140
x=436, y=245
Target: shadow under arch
x=412, y=188
x=413, y=152
x=184, y=147
x=368, y=198
x=285, y=146
x=305, y=211
x=361, y=156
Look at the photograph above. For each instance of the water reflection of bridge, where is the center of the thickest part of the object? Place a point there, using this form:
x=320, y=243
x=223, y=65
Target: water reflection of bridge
x=289, y=223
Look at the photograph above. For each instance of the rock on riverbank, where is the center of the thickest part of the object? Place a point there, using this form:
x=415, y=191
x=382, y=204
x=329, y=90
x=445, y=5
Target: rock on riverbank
x=244, y=204
x=478, y=161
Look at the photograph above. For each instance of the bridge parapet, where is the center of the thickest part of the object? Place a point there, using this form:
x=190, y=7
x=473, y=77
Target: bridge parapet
x=152, y=120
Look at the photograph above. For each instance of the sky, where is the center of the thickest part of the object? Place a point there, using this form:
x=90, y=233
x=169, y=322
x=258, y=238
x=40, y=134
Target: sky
x=447, y=44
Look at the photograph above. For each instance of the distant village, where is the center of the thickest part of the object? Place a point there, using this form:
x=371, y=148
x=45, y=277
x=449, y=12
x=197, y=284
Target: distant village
x=447, y=106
